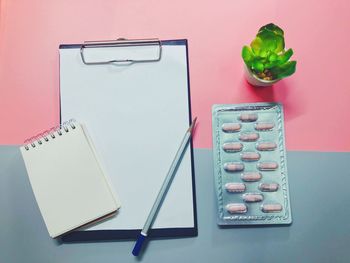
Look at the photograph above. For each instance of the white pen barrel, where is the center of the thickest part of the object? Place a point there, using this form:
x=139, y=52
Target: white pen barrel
x=167, y=181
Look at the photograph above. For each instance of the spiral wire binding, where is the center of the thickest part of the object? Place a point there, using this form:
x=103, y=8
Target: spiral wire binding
x=48, y=135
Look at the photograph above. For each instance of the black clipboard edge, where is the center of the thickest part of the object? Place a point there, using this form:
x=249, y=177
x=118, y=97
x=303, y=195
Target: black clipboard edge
x=116, y=235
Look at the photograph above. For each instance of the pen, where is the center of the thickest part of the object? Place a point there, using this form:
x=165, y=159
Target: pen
x=163, y=190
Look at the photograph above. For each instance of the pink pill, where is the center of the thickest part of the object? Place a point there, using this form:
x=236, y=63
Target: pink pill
x=232, y=147
x=268, y=187
x=271, y=208
x=249, y=137
x=234, y=167
x=236, y=208
x=266, y=146
x=252, y=197
x=235, y=187
x=250, y=156
x=251, y=176
x=263, y=126
x=267, y=166
x=248, y=117
x=231, y=127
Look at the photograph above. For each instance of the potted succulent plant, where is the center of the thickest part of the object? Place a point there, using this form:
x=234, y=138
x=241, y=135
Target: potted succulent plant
x=266, y=60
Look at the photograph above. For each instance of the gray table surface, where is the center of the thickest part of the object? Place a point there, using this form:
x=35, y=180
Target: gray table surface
x=319, y=188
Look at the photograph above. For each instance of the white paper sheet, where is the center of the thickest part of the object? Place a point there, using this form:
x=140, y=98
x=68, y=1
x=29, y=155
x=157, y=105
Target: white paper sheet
x=136, y=115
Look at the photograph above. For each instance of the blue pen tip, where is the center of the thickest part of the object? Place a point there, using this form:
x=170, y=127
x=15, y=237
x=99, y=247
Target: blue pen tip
x=137, y=248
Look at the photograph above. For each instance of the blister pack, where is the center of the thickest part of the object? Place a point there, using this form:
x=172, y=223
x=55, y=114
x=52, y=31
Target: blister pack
x=250, y=166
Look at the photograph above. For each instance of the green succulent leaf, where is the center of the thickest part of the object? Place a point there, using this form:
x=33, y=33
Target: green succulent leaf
x=267, y=40
x=272, y=27
x=284, y=57
x=256, y=46
x=273, y=57
x=247, y=54
x=284, y=70
x=258, y=66
x=271, y=65
x=271, y=60
x=271, y=41
x=264, y=53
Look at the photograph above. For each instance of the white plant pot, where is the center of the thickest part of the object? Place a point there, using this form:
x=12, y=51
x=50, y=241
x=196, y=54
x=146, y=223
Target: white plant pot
x=255, y=81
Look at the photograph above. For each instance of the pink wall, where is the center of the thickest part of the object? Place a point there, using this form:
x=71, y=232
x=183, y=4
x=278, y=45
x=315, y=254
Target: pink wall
x=316, y=98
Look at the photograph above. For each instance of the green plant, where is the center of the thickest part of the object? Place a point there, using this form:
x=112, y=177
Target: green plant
x=266, y=57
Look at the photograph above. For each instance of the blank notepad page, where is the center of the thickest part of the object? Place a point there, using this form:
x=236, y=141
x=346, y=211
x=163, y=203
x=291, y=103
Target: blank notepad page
x=67, y=180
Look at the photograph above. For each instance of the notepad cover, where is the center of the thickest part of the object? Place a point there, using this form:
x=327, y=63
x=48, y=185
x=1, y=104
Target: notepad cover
x=68, y=182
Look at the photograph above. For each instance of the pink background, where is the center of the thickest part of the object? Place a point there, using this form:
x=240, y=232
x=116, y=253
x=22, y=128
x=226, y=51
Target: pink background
x=316, y=98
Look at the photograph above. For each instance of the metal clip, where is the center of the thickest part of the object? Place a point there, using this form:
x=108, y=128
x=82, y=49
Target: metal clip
x=121, y=42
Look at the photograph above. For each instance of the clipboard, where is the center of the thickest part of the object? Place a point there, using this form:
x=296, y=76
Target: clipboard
x=134, y=96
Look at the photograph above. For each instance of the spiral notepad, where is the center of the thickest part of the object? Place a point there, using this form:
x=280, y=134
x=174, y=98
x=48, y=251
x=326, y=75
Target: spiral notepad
x=67, y=179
